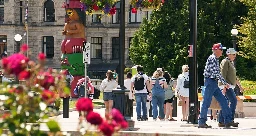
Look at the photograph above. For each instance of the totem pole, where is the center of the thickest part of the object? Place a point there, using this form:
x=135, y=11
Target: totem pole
x=72, y=45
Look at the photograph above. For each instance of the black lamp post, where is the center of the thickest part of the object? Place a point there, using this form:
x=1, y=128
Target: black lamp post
x=193, y=76
x=120, y=97
x=17, y=39
x=234, y=33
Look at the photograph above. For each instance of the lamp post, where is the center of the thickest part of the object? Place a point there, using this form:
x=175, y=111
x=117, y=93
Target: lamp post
x=193, y=75
x=234, y=33
x=17, y=39
x=120, y=97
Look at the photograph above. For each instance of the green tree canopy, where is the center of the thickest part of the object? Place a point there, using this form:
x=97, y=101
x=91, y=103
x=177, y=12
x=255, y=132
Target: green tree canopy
x=163, y=40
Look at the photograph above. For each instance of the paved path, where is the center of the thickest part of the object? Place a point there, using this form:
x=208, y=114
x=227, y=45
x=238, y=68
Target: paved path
x=247, y=127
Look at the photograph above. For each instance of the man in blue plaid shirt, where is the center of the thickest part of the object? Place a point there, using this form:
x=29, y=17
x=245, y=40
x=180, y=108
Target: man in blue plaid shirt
x=212, y=75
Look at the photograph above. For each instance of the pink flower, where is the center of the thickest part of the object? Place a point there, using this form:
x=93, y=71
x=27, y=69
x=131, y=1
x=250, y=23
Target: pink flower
x=24, y=47
x=84, y=104
x=106, y=129
x=41, y=56
x=117, y=116
x=94, y=118
x=15, y=63
x=124, y=124
x=24, y=75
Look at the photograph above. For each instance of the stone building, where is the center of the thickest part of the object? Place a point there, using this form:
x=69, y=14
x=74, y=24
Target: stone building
x=46, y=21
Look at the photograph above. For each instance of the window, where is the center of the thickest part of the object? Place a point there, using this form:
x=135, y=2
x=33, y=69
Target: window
x=135, y=17
x=1, y=2
x=148, y=14
x=96, y=45
x=1, y=11
x=1, y=15
x=48, y=46
x=96, y=18
x=21, y=17
x=116, y=17
x=49, y=11
x=115, y=47
x=3, y=44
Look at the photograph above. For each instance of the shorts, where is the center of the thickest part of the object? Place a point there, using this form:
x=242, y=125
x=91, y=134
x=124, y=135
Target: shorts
x=168, y=100
x=107, y=96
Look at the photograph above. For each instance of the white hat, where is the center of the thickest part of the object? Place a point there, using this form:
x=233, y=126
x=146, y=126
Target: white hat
x=231, y=51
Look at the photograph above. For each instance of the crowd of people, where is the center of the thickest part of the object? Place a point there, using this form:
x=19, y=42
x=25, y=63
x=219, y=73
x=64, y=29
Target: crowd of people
x=159, y=90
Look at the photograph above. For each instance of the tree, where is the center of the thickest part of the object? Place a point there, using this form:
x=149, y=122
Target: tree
x=162, y=41
x=247, y=40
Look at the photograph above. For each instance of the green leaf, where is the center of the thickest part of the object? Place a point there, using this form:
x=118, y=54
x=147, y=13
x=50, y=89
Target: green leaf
x=53, y=126
x=66, y=90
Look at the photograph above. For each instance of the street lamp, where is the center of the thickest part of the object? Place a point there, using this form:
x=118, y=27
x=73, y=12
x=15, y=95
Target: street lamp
x=17, y=38
x=234, y=33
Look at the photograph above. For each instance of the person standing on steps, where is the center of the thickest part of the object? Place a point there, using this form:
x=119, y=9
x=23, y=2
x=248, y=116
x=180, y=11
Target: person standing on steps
x=212, y=75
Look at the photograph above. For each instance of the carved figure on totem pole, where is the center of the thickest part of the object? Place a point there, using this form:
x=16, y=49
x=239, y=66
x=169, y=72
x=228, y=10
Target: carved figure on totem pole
x=71, y=46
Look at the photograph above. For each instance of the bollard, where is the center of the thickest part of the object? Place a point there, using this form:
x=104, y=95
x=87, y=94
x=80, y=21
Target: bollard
x=174, y=106
x=122, y=102
x=66, y=107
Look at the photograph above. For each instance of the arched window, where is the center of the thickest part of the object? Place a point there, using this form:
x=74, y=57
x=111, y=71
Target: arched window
x=49, y=11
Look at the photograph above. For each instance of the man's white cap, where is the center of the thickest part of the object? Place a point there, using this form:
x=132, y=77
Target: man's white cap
x=231, y=51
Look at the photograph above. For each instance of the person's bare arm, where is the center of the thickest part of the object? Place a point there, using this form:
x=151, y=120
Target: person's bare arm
x=149, y=87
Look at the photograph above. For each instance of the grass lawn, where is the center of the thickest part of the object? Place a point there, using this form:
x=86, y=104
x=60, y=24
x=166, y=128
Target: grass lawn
x=249, y=87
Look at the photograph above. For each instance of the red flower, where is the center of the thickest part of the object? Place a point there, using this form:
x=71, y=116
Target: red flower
x=24, y=75
x=162, y=1
x=5, y=63
x=48, y=96
x=24, y=47
x=150, y=0
x=94, y=118
x=95, y=7
x=84, y=104
x=134, y=10
x=106, y=129
x=5, y=115
x=112, y=11
x=117, y=116
x=41, y=56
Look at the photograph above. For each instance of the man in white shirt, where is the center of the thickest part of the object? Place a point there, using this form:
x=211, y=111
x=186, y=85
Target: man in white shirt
x=140, y=90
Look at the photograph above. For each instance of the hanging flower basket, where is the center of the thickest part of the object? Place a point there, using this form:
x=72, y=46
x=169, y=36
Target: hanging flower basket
x=98, y=6
x=146, y=5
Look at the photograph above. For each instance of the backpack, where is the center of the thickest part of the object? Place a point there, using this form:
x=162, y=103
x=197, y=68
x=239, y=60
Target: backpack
x=186, y=83
x=139, y=82
x=157, y=87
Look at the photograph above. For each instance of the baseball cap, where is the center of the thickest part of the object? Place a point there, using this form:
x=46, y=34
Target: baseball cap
x=218, y=46
x=231, y=51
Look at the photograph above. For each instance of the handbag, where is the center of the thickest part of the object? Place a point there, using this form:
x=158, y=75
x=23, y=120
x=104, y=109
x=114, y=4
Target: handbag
x=186, y=83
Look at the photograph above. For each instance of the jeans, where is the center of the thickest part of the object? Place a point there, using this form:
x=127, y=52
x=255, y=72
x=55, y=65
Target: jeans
x=141, y=100
x=158, y=100
x=230, y=94
x=212, y=89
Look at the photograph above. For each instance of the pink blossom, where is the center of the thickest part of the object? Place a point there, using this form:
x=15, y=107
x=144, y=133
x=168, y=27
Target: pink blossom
x=24, y=47
x=41, y=56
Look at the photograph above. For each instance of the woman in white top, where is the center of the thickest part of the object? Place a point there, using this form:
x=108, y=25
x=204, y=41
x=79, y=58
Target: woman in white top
x=107, y=86
x=183, y=91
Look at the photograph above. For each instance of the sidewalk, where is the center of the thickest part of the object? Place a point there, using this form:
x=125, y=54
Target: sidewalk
x=247, y=127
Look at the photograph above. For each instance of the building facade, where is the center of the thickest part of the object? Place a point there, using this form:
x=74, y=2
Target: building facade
x=46, y=20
